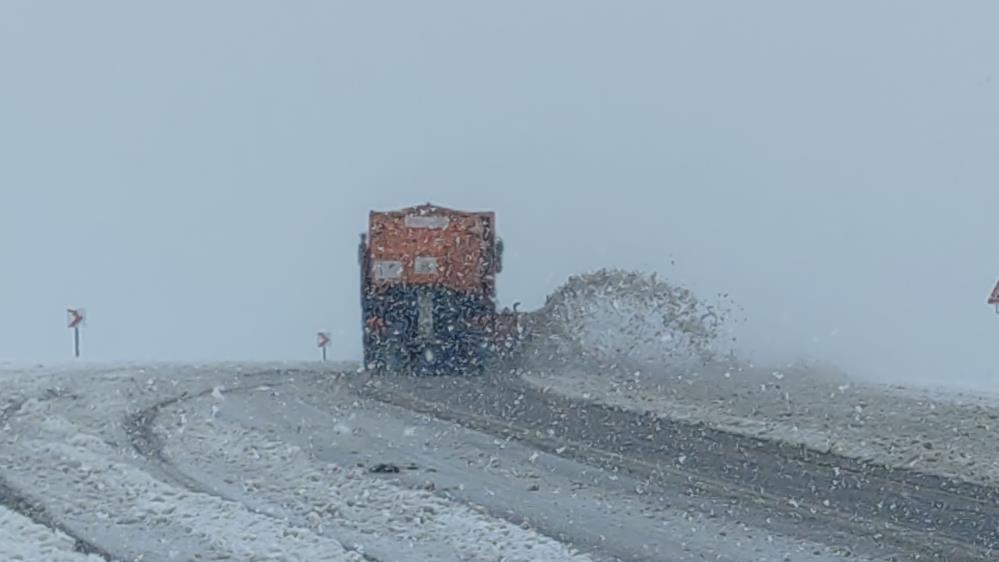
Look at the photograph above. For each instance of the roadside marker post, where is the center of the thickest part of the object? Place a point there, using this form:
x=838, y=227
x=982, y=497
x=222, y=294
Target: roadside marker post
x=322, y=342
x=76, y=317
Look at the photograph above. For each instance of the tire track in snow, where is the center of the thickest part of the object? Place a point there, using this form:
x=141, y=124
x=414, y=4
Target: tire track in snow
x=145, y=441
x=16, y=501
x=62, y=450
x=149, y=443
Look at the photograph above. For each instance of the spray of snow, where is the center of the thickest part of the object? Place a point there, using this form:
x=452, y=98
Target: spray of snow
x=619, y=317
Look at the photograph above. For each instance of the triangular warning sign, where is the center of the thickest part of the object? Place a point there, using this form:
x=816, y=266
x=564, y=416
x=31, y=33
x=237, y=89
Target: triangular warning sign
x=994, y=299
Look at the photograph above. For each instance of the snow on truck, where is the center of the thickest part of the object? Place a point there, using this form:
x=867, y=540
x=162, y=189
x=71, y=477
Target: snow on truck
x=428, y=291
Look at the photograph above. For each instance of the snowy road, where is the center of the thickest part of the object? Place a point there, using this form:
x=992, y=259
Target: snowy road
x=864, y=508
x=263, y=462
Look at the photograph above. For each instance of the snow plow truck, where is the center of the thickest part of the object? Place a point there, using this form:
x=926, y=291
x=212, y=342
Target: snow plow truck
x=428, y=292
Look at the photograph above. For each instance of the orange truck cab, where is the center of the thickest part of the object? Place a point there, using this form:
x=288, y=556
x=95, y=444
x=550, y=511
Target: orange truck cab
x=428, y=288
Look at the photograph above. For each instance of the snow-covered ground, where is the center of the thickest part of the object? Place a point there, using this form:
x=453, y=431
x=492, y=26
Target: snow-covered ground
x=939, y=432
x=65, y=446
x=290, y=483
x=24, y=540
x=257, y=463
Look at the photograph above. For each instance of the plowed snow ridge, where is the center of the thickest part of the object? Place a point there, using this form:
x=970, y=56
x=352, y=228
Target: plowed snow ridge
x=943, y=433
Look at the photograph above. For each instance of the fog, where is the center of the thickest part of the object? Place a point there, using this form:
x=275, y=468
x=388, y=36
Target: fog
x=196, y=174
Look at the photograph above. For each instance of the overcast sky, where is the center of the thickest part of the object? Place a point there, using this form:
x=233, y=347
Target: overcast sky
x=196, y=174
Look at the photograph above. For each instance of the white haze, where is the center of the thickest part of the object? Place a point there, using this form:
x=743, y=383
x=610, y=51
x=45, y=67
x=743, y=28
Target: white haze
x=196, y=173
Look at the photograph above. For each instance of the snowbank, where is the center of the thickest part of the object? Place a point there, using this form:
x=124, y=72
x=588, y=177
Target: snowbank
x=604, y=337
x=943, y=433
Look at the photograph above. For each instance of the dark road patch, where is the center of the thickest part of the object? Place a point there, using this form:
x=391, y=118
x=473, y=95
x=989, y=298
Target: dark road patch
x=891, y=513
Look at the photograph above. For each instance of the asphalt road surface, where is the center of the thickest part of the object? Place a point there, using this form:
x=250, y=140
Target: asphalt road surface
x=863, y=509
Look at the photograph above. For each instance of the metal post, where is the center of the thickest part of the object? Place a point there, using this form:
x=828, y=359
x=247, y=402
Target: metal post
x=76, y=341
x=323, y=341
